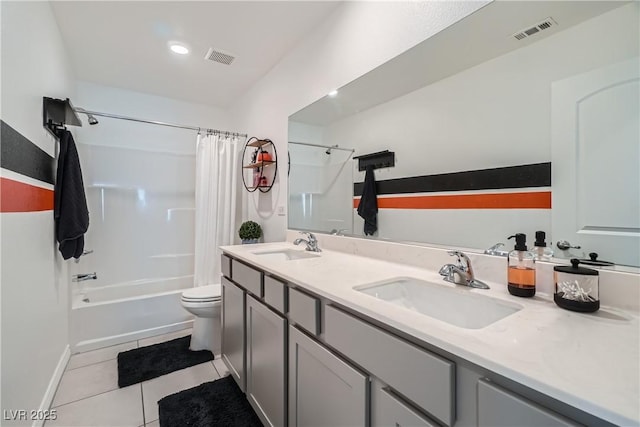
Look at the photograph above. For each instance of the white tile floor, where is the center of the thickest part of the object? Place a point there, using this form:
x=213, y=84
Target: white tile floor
x=88, y=394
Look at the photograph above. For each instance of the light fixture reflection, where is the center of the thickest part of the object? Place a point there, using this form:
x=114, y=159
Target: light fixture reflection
x=178, y=48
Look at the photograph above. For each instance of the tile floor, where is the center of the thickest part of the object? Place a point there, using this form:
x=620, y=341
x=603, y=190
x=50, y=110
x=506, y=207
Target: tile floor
x=88, y=394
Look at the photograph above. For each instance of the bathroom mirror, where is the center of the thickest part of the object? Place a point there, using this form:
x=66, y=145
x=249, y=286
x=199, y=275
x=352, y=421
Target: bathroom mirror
x=521, y=117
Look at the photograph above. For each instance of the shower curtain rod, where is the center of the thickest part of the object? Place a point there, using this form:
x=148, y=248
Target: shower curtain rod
x=153, y=122
x=322, y=146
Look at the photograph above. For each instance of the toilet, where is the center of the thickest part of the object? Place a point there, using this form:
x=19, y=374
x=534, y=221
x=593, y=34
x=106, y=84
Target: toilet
x=204, y=303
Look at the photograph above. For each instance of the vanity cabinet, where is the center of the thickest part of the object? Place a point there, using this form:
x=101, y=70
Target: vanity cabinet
x=254, y=338
x=266, y=362
x=304, y=360
x=233, y=330
x=422, y=377
x=324, y=390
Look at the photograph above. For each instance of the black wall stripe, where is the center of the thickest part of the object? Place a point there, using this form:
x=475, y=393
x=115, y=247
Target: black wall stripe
x=22, y=156
x=523, y=176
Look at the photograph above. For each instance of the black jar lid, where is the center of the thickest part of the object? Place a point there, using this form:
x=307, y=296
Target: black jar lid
x=574, y=269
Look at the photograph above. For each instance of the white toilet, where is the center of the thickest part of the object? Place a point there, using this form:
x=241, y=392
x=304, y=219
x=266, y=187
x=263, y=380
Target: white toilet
x=204, y=303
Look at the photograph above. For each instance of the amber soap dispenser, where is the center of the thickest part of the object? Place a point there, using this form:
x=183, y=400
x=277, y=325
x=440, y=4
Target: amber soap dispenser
x=521, y=270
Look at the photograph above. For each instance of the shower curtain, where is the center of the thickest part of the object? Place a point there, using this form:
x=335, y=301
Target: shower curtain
x=217, y=160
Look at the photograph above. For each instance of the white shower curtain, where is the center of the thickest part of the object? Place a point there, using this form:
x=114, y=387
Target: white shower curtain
x=217, y=160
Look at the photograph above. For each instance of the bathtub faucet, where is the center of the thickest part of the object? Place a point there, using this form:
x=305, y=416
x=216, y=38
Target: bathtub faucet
x=83, y=277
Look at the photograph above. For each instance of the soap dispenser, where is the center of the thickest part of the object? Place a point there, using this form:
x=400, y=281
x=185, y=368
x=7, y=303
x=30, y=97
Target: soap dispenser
x=521, y=271
x=541, y=252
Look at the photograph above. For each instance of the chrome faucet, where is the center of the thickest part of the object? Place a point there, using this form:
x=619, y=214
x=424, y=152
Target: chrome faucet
x=461, y=273
x=312, y=243
x=83, y=277
x=495, y=250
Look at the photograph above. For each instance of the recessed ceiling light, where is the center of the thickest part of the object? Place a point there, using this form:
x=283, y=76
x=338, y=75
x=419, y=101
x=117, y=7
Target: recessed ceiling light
x=178, y=48
x=333, y=93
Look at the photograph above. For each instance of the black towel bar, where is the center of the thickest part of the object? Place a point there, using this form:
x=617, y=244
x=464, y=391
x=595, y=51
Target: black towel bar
x=380, y=159
x=58, y=113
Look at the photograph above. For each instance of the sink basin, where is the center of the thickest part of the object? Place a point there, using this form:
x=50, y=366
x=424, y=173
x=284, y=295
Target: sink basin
x=456, y=306
x=285, y=254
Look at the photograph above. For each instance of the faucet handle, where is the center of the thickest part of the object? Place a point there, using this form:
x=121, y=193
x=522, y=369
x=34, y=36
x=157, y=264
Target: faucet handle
x=466, y=265
x=310, y=235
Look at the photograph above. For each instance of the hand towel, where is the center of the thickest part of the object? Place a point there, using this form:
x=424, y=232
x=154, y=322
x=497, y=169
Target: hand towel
x=70, y=205
x=368, y=207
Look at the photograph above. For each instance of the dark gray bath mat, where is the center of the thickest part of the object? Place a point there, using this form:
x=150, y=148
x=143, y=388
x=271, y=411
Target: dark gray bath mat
x=218, y=403
x=145, y=363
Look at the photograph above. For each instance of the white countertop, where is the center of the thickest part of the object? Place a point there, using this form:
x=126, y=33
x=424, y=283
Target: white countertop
x=589, y=361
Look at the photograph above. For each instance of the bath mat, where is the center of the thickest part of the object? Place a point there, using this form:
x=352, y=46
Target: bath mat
x=145, y=363
x=212, y=404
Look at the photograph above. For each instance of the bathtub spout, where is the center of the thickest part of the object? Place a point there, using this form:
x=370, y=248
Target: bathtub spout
x=83, y=277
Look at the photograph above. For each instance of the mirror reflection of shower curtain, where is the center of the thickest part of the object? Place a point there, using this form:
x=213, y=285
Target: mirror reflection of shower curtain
x=217, y=160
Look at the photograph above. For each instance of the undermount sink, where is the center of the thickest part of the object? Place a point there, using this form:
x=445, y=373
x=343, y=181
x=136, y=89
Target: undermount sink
x=456, y=306
x=285, y=254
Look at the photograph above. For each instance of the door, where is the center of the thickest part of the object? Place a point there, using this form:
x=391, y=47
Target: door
x=266, y=363
x=596, y=162
x=233, y=331
x=324, y=390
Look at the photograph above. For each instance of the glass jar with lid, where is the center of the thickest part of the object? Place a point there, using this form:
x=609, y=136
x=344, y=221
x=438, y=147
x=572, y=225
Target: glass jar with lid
x=576, y=287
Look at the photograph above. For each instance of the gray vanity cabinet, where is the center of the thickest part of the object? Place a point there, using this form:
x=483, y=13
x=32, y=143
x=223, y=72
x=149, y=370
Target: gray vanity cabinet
x=498, y=407
x=324, y=390
x=266, y=362
x=233, y=330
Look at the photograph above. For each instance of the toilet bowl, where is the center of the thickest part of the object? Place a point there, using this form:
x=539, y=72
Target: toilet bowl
x=204, y=303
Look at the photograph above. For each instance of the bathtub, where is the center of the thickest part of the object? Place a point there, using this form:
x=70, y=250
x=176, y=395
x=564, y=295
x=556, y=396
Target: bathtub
x=109, y=315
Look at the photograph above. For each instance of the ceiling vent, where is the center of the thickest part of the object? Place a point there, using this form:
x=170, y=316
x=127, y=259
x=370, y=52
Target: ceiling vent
x=216, y=55
x=535, y=29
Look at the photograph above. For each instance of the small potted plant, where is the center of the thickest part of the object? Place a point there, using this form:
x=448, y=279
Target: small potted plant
x=250, y=232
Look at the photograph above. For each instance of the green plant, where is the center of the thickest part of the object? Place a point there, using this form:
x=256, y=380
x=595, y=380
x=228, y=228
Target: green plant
x=250, y=230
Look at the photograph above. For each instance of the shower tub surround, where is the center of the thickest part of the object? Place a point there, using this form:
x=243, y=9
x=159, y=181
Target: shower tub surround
x=542, y=347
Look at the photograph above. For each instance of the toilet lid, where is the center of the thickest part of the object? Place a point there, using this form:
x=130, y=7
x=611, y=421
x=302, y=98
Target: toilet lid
x=202, y=293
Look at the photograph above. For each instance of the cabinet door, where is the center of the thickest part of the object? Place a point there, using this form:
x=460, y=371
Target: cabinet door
x=323, y=389
x=388, y=410
x=266, y=362
x=233, y=331
x=499, y=408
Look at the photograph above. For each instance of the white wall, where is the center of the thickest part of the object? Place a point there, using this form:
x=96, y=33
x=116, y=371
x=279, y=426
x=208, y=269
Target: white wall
x=495, y=114
x=356, y=38
x=34, y=277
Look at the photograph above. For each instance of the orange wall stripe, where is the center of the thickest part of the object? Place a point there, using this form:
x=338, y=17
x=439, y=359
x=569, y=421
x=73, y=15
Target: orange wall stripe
x=17, y=196
x=526, y=200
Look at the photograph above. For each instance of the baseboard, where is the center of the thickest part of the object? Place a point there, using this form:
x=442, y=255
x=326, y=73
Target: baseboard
x=47, y=400
x=89, y=345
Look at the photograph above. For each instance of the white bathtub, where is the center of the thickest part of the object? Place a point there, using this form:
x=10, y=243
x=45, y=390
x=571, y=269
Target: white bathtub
x=114, y=314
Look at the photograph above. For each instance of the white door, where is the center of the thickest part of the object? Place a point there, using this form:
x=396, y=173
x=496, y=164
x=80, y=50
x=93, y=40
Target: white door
x=595, y=146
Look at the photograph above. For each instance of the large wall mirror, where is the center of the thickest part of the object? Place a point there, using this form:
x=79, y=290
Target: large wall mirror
x=521, y=117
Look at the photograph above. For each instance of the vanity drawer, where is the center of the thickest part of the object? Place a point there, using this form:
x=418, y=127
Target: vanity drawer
x=247, y=277
x=389, y=410
x=498, y=407
x=424, y=378
x=275, y=293
x=304, y=310
x=225, y=266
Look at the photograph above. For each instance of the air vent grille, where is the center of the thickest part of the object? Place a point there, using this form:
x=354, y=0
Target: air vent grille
x=535, y=29
x=216, y=55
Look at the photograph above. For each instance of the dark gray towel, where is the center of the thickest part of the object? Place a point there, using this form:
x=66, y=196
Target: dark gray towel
x=70, y=205
x=368, y=207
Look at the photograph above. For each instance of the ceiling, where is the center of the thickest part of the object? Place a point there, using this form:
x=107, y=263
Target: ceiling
x=125, y=43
